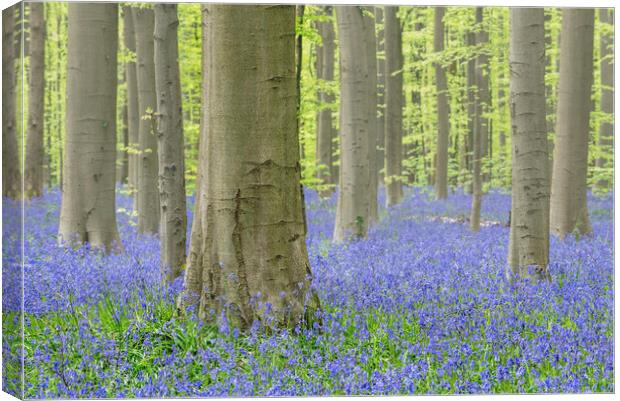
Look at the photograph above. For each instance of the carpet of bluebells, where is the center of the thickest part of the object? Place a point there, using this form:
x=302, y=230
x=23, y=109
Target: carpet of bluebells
x=422, y=306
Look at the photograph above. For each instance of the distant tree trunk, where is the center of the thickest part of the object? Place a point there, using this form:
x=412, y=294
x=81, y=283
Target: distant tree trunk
x=148, y=166
x=36, y=111
x=443, y=113
x=606, y=129
x=11, y=177
x=325, y=129
x=529, y=221
x=173, y=225
x=471, y=110
x=88, y=212
x=394, y=102
x=124, y=171
x=570, y=162
x=371, y=60
x=133, y=114
x=352, y=211
x=248, y=257
x=380, y=94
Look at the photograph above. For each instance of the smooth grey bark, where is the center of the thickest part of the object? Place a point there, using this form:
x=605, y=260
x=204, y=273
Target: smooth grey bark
x=443, y=112
x=569, y=209
x=248, y=258
x=380, y=93
x=88, y=212
x=133, y=114
x=394, y=102
x=11, y=176
x=173, y=224
x=148, y=165
x=606, y=129
x=325, y=129
x=124, y=168
x=529, y=222
x=33, y=174
x=471, y=110
x=352, y=210
x=371, y=61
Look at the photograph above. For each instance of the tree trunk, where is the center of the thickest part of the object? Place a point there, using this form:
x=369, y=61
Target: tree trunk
x=248, y=257
x=529, y=218
x=325, y=130
x=352, y=211
x=394, y=102
x=371, y=61
x=380, y=94
x=133, y=114
x=570, y=161
x=124, y=170
x=148, y=166
x=173, y=225
x=34, y=146
x=88, y=212
x=11, y=177
x=471, y=110
x=299, y=15
x=606, y=129
x=443, y=113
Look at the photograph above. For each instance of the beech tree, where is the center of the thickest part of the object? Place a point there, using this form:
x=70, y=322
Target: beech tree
x=133, y=114
x=371, y=61
x=173, y=225
x=88, y=212
x=353, y=208
x=248, y=258
x=33, y=174
x=394, y=102
x=441, y=166
x=11, y=177
x=148, y=166
x=569, y=210
x=529, y=222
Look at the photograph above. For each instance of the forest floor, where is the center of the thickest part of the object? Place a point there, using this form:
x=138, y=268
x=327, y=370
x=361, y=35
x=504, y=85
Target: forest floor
x=421, y=306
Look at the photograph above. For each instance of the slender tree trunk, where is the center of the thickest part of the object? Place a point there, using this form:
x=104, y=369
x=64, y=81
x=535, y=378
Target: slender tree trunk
x=529, y=222
x=471, y=110
x=133, y=114
x=60, y=21
x=394, y=102
x=248, y=257
x=606, y=129
x=569, y=210
x=124, y=171
x=173, y=225
x=371, y=60
x=148, y=166
x=325, y=130
x=88, y=212
x=379, y=20
x=352, y=211
x=11, y=177
x=34, y=146
x=443, y=113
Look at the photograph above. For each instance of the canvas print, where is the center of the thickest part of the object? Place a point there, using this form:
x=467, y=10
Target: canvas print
x=214, y=200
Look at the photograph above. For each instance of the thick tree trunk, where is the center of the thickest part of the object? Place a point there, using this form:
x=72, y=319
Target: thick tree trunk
x=325, y=130
x=173, y=225
x=380, y=94
x=33, y=174
x=569, y=210
x=371, y=60
x=248, y=257
x=352, y=211
x=443, y=113
x=529, y=221
x=88, y=212
x=133, y=114
x=11, y=177
x=148, y=166
x=394, y=102
x=606, y=129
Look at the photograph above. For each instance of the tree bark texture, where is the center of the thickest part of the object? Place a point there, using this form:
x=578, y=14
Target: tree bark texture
x=371, y=59
x=394, y=102
x=471, y=110
x=173, y=224
x=88, y=212
x=352, y=210
x=569, y=210
x=529, y=221
x=33, y=173
x=148, y=166
x=443, y=113
x=606, y=129
x=133, y=114
x=248, y=258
